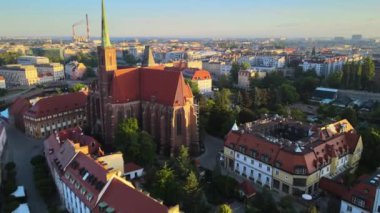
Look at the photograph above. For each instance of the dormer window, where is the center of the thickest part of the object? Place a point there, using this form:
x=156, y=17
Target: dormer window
x=300, y=170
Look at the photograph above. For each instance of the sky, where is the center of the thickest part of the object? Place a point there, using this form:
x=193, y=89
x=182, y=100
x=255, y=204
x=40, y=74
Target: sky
x=194, y=18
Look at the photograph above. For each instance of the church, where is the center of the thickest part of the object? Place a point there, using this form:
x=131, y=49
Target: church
x=159, y=98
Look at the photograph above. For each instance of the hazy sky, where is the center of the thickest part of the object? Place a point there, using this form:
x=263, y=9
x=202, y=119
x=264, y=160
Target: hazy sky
x=194, y=18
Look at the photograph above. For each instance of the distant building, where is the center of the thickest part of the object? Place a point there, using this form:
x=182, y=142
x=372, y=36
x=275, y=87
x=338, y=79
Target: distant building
x=174, y=56
x=324, y=66
x=357, y=37
x=217, y=68
x=75, y=70
x=265, y=63
x=245, y=77
x=201, y=78
x=88, y=181
x=56, y=113
x=362, y=197
x=2, y=82
x=19, y=75
x=32, y=60
x=54, y=69
x=290, y=156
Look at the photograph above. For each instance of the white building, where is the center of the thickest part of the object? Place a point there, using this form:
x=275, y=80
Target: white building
x=19, y=75
x=133, y=171
x=324, y=67
x=273, y=62
x=217, y=68
x=200, y=77
x=174, y=56
x=32, y=60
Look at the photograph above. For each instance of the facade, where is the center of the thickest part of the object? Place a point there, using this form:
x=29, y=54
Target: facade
x=86, y=179
x=268, y=62
x=217, y=68
x=201, y=78
x=133, y=171
x=174, y=56
x=56, y=113
x=19, y=75
x=324, y=66
x=289, y=156
x=160, y=99
x=2, y=82
x=75, y=70
x=245, y=77
x=362, y=197
x=54, y=69
x=32, y=60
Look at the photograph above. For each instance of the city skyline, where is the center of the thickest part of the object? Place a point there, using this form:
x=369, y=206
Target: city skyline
x=194, y=18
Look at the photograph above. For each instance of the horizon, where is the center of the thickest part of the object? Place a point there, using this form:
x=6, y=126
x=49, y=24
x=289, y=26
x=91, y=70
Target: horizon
x=194, y=18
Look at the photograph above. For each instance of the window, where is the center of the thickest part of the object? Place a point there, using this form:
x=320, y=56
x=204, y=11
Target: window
x=358, y=201
x=299, y=182
x=252, y=162
x=267, y=179
x=179, y=124
x=349, y=208
x=245, y=159
x=244, y=168
x=237, y=165
x=237, y=155
x=89, y=196
x=285, y=188
x=268, y=169
x=260, y=165
x=276, y=184
x=251, y=172
x=277, y=172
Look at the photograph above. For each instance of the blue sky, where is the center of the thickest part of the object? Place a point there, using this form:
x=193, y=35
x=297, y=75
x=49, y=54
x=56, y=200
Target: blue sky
x=194, y=18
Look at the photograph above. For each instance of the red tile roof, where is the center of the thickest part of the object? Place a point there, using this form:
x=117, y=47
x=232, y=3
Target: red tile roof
x=247, y=188
x=123, y=198
x=201, y=75
x=58, y=104
x=19, y=106
x=2, y=78
x=130, y=167
x=150, y=84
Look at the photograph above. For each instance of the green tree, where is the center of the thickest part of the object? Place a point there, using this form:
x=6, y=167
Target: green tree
x=78, y=87
x=370, y=158
x=288, y=93
x=351, y=115
x=194, y=87
x=148, y=148
x=235, y=72
x=183, y=160
x=298, y=114
x=223, y=98
x=264, y=202
x=286, y=204
x=8, y=58
x=224, y=208
x=334, y=80
x=166, y=186
x=127, y=138
x=191, y=185
x=368, y=72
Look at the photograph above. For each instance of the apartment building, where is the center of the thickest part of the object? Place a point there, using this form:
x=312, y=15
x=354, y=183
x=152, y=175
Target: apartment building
x=217, y=68
x=32, y=60
x=290, y=156
x=201, y=78
x=362, y=197
x=56, y=113
x=89, y=181
x=54, y=69
x=19, y=75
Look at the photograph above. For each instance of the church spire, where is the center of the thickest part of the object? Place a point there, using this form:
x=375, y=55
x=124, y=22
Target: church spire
x=105, y=36
x=148, y=59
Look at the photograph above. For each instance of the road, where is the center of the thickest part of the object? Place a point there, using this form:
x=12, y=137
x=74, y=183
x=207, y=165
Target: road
x=20, y=149
x=212, y=147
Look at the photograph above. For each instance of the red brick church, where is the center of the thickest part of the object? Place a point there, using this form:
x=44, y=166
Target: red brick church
x=160, y=99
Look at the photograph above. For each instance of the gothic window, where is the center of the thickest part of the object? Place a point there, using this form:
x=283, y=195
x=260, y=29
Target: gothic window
x=179, y=123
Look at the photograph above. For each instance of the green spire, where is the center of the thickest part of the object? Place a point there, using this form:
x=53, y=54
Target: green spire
x=105, y=36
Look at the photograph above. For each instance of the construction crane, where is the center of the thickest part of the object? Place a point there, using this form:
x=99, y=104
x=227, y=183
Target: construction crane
x=78, y=39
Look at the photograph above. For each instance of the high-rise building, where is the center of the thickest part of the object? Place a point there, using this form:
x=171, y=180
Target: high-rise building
x=160, y=99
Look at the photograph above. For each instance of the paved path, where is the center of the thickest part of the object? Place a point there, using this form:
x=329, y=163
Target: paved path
x=212, y=147
x=20, y=149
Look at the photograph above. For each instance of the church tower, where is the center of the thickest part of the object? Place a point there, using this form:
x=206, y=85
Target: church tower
x=148, y=59
x=107, y=65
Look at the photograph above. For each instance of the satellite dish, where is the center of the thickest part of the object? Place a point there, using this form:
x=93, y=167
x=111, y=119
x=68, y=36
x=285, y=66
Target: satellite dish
x=307, y=197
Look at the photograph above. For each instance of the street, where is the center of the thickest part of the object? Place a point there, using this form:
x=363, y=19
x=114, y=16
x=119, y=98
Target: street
x=212, y=147
x=20, y=149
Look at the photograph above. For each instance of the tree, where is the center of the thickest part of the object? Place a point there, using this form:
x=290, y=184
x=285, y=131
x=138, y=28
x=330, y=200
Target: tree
x=78, y=87
x=351, y=115
x=288, y=93
x=191, y=185
x=183, y=160
x=334, y=80
x=298, y=114
x=264, y=202
x=194, y=87
x=8, y=58
x=166, y=186
x=370, y=158
x=235, y=68
x=127, y=138
x=286, y=204
x=224, y=208
x=148, y=147
x=223, y=98
x=90, y=73
x=368, y=71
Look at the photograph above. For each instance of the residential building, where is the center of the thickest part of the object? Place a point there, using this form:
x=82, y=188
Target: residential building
x=324, y=66
x=274, y=62
x=290, y=156
x=54, y=69
x=217, y=68
x=17, y=110
x=75, y=70
x=86, y=180
x=32, y=60
x=19, y=75
x=362, y=197
x=174, y=56
x=56, y=113
x=133, y=171
x=160, y=99
x=2, y=82
x=201, y=78
x=245, y=77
